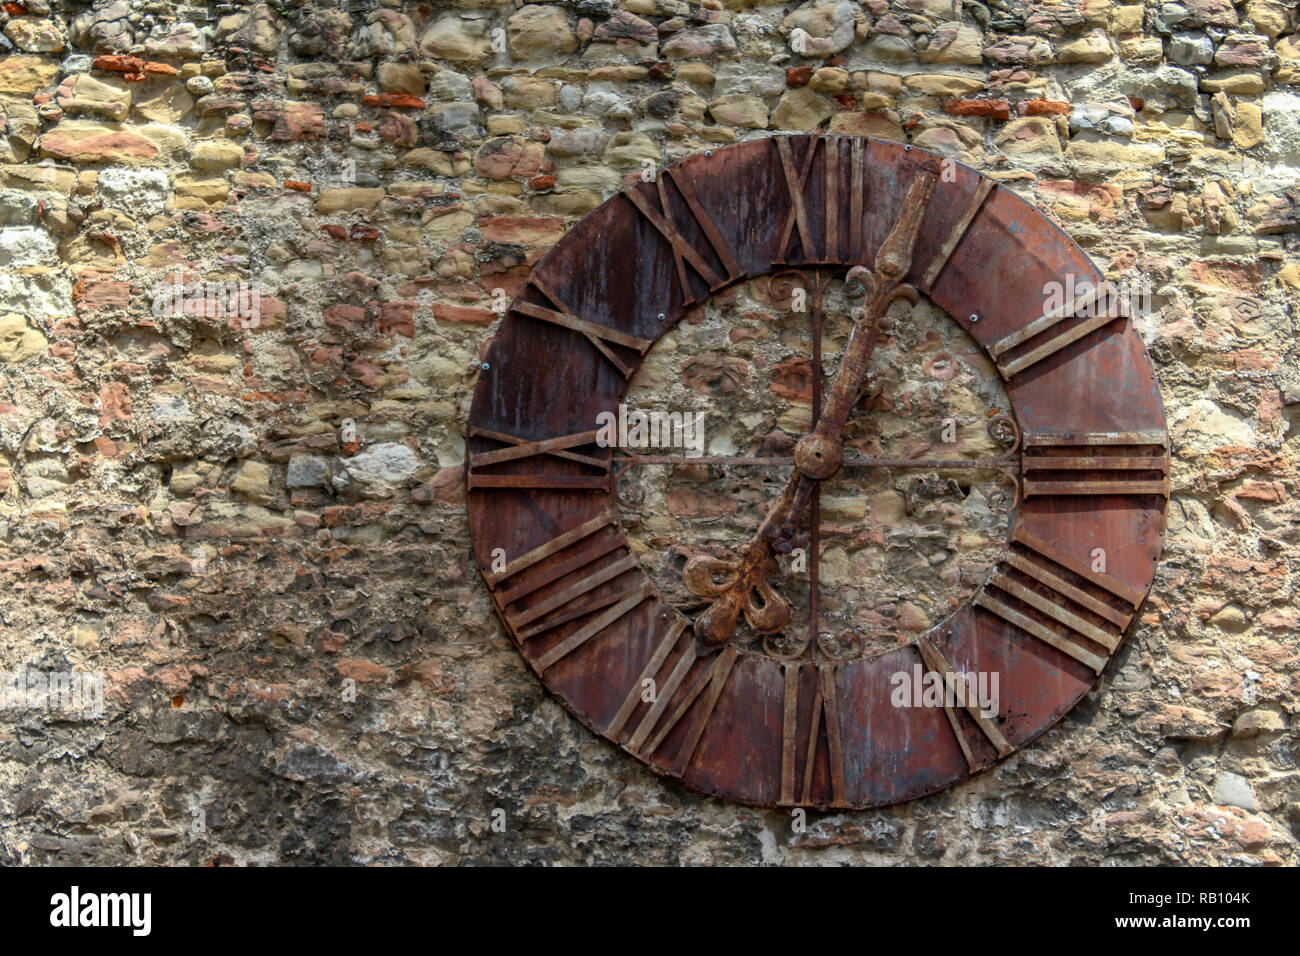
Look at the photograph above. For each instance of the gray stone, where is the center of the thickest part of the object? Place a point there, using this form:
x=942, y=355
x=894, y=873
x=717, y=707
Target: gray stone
x=569, y=98
x=1113, y=118
x=17, y=207
x=701, y=41
x=750, y=79
x=379, y=470
x=172, y=410
x=307, y=471
x=45, y=477
x=135, y=190
x=586, y=142
x=175, y=39
x=25, y=246
x=607, y=103
x=595, y=8
x=455, y=118
x=75, y=63
x=1191, y=49
x=1162, y=88
x=449, y=85
x=1282, y=127
x=1172, y=14
x=824, y=29
x=35, y=295
x=1233, y=790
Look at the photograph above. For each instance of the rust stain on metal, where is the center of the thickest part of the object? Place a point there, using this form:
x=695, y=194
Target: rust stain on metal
x=733, y=715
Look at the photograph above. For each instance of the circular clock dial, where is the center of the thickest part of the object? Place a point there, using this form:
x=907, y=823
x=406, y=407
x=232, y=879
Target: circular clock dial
x=900, y=548
x=741, y=683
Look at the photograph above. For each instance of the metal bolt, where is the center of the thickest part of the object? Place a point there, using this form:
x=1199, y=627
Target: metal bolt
x=907, y=148
x=662, y=316
x=708, y=152
x=485, y=366
x=974, y=317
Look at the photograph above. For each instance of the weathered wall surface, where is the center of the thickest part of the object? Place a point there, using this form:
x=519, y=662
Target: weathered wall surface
x=230, y=519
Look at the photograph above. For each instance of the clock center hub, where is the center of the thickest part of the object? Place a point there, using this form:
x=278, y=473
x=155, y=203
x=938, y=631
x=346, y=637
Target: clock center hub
x=818, y=456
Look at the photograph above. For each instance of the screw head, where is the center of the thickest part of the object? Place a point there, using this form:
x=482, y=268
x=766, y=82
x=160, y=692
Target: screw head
x=485, y=366
x=974, y=317
x=662, y=316
x=708, y=152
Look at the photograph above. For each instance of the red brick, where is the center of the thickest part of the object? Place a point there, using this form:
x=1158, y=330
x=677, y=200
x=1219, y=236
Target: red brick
x=997, y=109
x=106, y=294
x=1043, y=108
x=363, y=672
x=793, y=379
x=463, y=314
x=401, y=101
x=114, y=403
x=346, y=317
x=798, y=75
x=398, y=318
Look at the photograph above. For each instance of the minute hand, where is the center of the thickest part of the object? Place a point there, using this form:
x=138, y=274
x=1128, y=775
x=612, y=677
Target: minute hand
x=743, y=587
x=820, y=453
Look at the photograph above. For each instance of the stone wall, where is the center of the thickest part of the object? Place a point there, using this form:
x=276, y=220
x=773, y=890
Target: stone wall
x=242, y=505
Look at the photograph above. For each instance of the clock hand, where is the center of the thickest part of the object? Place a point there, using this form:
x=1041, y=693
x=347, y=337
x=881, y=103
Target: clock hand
x=740, y=586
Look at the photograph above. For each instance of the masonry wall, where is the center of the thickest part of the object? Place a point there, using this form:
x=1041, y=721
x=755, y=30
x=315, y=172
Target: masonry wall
x=236, y=517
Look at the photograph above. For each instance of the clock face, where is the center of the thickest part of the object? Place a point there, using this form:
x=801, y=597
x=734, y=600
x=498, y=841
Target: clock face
x=723, y=653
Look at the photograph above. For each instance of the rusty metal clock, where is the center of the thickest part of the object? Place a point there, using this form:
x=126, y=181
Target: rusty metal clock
x=811, y=723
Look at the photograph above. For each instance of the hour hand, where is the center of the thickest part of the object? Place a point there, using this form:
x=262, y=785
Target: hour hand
x=738, y=586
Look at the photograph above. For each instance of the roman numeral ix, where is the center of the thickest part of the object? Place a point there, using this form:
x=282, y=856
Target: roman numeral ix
x=535, y=454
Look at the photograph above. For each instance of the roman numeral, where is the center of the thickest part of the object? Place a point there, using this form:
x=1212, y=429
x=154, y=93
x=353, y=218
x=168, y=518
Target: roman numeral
x=825, y=707
x=1102, y=300
x=534, y=620
x=1113, y=463
x=959, y=228
x=789, y=732
x=706, y=689
x=657, y=658
x=683, y=252
x=555, y=545
x=1064, y=603
x=602, y=337
x=521, y=449
x=628, y=599
x=592, y=542
x=937, y=663
x=857, y=187
x=797, y=181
